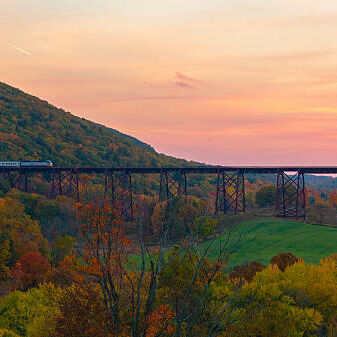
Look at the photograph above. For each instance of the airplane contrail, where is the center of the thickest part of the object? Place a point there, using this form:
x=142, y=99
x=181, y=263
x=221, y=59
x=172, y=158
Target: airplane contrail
x=20, y=49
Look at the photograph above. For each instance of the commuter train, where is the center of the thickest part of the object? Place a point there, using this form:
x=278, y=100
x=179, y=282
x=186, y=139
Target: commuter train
x=34, y=163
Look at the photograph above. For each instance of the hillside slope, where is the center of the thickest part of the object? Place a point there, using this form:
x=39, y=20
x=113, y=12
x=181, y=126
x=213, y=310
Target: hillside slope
x=32, y=129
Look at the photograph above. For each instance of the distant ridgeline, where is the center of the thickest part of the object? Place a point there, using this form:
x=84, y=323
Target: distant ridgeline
x=327, y=183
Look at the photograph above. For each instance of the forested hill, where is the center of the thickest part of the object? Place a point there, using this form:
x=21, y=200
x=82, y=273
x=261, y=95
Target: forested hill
x=33, y=129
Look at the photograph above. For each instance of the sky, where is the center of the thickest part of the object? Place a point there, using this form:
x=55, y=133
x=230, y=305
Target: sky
x=230, y=82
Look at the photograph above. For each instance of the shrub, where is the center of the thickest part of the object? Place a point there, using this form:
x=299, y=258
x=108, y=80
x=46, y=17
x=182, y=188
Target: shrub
x=247, y=271
x=284, y=260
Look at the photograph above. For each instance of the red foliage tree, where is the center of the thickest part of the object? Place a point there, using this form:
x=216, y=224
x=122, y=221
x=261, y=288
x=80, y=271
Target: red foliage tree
x=31, y=270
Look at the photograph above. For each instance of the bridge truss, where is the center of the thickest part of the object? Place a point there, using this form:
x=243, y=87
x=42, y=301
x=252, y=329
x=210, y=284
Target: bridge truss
x=230, y=192
x=290, y=195
x=229, y=189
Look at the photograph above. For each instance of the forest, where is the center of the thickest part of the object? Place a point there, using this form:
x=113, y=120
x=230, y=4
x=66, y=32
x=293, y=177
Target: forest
x=79, y=269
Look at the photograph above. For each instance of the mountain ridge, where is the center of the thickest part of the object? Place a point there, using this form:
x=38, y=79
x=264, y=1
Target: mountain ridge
x=33, y=129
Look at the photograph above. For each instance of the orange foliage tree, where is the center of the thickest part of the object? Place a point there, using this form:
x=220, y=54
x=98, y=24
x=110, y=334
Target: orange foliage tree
x=161, y=322
x=128, y=295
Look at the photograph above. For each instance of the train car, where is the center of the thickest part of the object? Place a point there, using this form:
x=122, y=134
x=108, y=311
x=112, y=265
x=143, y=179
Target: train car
x=9, y=164
x=33, y=163
x=36, y=163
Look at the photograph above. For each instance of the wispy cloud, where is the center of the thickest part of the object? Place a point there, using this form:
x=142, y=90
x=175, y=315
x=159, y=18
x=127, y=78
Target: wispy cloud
x=185, y=78
x=183, y=85
x=21, y=50
x=187, y=82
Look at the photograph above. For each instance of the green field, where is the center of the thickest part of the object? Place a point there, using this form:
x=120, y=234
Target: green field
x=264, y=238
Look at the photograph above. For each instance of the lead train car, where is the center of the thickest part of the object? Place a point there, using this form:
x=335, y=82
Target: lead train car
x=35, y=163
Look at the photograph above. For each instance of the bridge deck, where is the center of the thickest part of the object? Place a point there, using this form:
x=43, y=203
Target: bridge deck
x=191, y=169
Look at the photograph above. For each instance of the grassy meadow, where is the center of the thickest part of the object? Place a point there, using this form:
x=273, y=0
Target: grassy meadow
x=261, y=239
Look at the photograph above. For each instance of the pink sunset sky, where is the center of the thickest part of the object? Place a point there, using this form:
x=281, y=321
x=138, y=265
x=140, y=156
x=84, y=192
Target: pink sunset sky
x=247, y=82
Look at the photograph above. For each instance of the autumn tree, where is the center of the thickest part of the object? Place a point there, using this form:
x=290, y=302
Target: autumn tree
x=105, y=254
x=31, y=270
x=66, y=272
x=246, y=272
x=62, y=246
x=185, y=285
x=333, y=198
x=161, y=322
x=82, y=313
x=284, y=260
x=31, y=313
x=204, y=226
x=178, y=215
x=263, y=309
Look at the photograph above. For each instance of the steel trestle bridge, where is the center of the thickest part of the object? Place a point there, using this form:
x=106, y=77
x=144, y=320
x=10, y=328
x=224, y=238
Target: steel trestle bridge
x=229, y=189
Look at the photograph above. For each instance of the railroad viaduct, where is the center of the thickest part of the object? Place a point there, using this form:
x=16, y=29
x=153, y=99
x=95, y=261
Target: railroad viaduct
x=229, y=189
